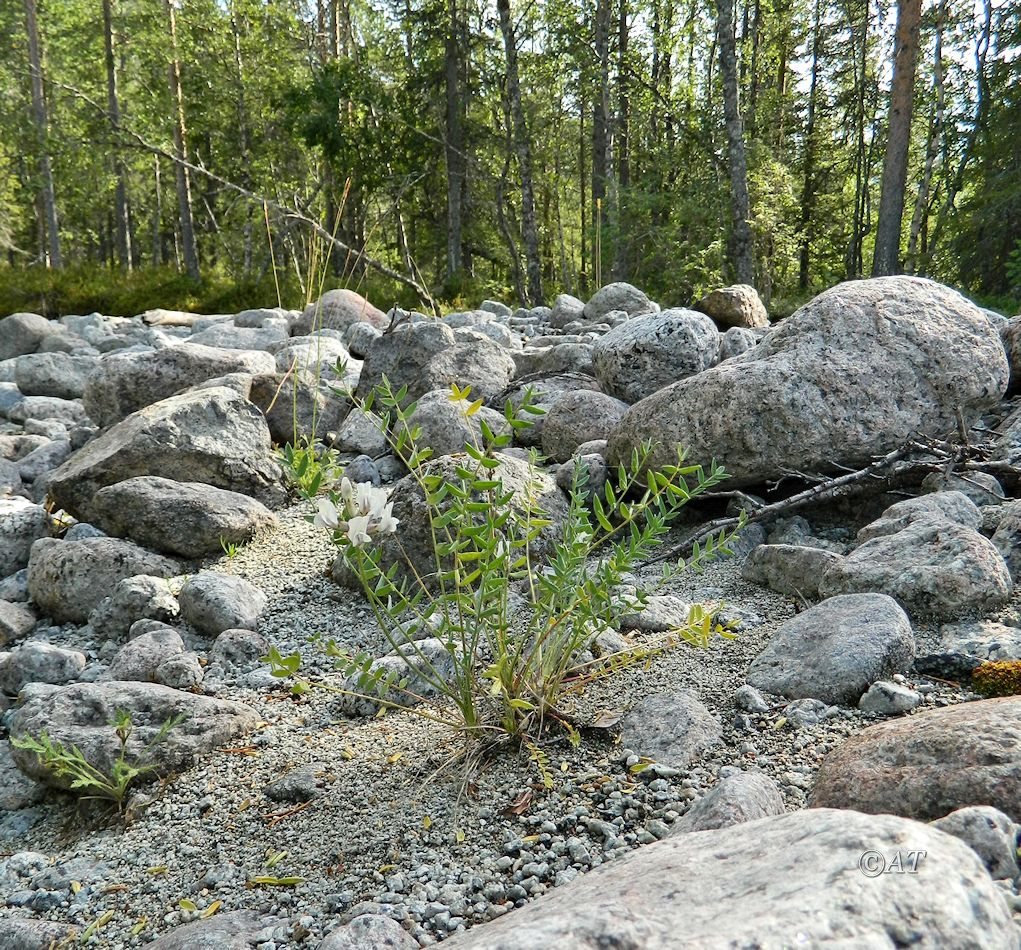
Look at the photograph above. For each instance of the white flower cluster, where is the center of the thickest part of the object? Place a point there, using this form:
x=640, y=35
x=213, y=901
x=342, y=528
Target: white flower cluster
x=359, y=510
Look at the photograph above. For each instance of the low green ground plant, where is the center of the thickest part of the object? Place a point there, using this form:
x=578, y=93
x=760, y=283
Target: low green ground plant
x=513, y=628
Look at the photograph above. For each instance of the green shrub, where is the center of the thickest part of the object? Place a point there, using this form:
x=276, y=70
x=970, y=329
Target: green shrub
x=510, y=658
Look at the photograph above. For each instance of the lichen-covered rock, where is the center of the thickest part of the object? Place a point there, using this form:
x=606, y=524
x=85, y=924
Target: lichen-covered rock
x=53, y=374
x=37, y=662
x=642, y=356
x=947, y=505
x=852, y=375
x=617, y=296
x=68, y=579
x=932, y=568
x=990, y=834
x=135, y=598
x=338, y=310
x=578, y=417
x=214, y=436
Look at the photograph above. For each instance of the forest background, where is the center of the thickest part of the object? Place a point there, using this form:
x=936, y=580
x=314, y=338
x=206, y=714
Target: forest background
x=220, y=154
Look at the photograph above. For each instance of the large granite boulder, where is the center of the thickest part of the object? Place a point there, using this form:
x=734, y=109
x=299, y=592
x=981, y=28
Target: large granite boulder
x=578, y=417
x=736, y=306
x=22, y=333
x=126, y=382
x=68, y=579
x=53, y=374
x=836, y=650
x=640, y=357
x=184, y=518
x=952, y=506
x=933, y=568
x=784, y=881
x=21, y=525
x=338, y=310
x=214, y=436
x=851, y=375
x=930, y=764
x=617, y=296
x=445, y=428
x=81, y=714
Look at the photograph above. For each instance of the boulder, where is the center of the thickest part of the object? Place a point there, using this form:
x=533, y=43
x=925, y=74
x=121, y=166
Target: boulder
x=788, y=880
x=744, y=796
x=578, y=417
x=982, y=488
x=80, y=714
x=932, y=568
x=296, y=407
x=141, y=657
x=22, y=333
x=788, y=569
x=886, y=698
x=736, y=341
x=214, y=436
x=37, y=409
x=227, y=336
x=135, y=598
x=671, y=728
x=566, y=309
x=834, y=651
x=946, y=505
x=990, y=834
x=16, y=621
x=927, y=765
x=1010, y=333
x=617, y=296
x=184, y=518
x=44, y=459
x=444, y=427
x=369, y=932
x=238, y=651
x=545, y=390
x=38, y=662
x=852, y=375
x=1007, y=540
x=983, y=639
x=212, y=602
x=21, y=525
x=640, y=357
x=735, y=306
x=53, y=374
x=338, y=310
x=68, y=579
x=315, y=355
x=126, y=382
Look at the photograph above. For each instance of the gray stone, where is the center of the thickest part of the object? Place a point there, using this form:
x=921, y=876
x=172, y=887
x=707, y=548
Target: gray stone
x=369, y=932
x=38, y=662
x=238, y=651
x=789, y=569
x=749, y=699
x=359, y=337
x=21, y=525
x=644, y=355
x=260, y=316
x=735, y=306
x=44, y=459
x=361, y=432
x=944, y=505
x=852, y=375
x=295, y=406
x=17, y=790
x=22, y=333
x=545, y=391
x=595, y=474
x=1010, y=333
x=299, y=785
x=662, y=613
x=316, y=355
x=10, y=478
x=566, y=309
x=212, y=436
x=14, y=587
x=135, y=598
x=82, y=712
x=981, y=487
x=184, y=518
x=889, y=699
x=213, y=602
x=445, y=427
x=984, y=639
x=32, y=408
x=230, y=337
x=237, y=930
x=364, y=469
x=18, y=933
x=577, y=417
x=551, y=360
x=338, y=310
x=671, y=728
x=1007, y=539
x=782, y=881
x=736, y=341
x=182, y=671
x=140, y=657
x=15, y=447
x=617, y=296
x=834, y=651
x=126, y=382
x=68, y=579
x=53, y=374
x=16, y=621
x=990, y=834
x=927, y=765
x=932, y=568
x=401, y=356
x=745, y=796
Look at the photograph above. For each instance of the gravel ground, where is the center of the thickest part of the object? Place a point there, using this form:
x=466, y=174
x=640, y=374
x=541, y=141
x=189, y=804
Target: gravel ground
x=395, y=827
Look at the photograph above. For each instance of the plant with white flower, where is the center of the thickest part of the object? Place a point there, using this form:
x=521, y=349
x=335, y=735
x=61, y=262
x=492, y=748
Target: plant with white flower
x=356, y=513
x=512, y=633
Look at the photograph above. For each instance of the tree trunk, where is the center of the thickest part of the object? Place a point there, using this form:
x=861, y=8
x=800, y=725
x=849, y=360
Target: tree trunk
x=41, y=120
x=931, y=142
x=189, y=250
x=600, y=131
x=742, y=243
x=886, y=259
x=808, y=188
x=523, y=151
x=122, y=219
x=859, y=225
x=622, y=255
x=455, y=145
